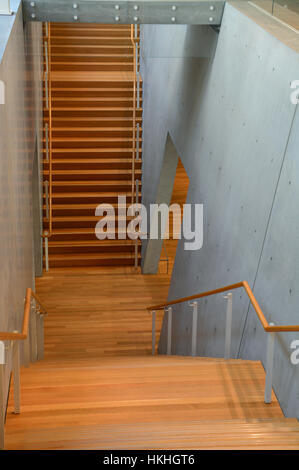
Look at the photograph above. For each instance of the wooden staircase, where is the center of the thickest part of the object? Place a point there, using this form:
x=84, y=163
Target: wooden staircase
x=92, y=133
x=99, y=387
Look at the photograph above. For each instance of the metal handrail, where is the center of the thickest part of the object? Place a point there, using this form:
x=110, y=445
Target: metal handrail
x=267, y=327
x=134, y=41
x=48, y=136
x=14, y=347
x=13, y=336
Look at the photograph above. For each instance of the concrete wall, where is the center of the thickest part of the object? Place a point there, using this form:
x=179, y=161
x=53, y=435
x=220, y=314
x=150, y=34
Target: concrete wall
x=20, y=127
x=225, y=101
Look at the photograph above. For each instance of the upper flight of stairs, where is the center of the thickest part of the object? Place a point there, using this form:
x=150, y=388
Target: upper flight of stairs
x=92, y=131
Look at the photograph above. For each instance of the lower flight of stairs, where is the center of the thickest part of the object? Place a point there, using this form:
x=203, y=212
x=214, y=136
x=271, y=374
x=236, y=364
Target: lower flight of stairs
x=161, y=402
x=92, y=131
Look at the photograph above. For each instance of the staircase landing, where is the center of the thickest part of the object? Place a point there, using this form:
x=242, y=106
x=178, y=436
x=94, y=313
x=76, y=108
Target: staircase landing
x=147, y=403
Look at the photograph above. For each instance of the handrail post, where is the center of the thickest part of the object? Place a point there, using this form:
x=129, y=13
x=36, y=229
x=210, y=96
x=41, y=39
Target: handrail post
x=16, y=375
x=228, y=324
x=269, y=366
x=153, y=332
x=194, y=305
x=40, y=336
x=137, y=141
x=136, y=241
x=2, y=409
x=47, y=140
x=47, y=251
x=46, y=183
x=169, y=329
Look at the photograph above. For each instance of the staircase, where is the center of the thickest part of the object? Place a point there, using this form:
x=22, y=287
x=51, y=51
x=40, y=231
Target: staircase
x=92, y=76
x=99, y=387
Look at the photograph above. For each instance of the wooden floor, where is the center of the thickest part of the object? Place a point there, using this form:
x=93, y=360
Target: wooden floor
x=99, y=311
x=145, y=402
x=99, y=387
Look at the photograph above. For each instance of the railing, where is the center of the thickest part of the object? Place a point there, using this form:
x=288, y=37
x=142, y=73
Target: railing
x=285, y=11
x=48, y=141
x=268, y=327
x=32, y=326
x=136, y=129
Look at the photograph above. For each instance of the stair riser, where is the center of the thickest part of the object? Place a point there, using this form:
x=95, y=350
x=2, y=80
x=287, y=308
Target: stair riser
x=94, y=93
x=63, y=83
x=95, y=154
x=90, y=249
x=91, y=67
x=91, y=57
x=98, y=122
x=94, y=134
x=93, y=103
x=88, y=212
x=118, y=113
x=125, y=179
x=88, y=32
x=68, y=225
x=124, y=50
x=86, y=199
x=94, y=144
x=97, y=165
x=91, y=262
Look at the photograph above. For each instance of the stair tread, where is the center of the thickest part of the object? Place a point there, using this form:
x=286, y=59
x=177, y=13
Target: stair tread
x=93, y=139
x=83, y=256
x=90, y=150
x=96, y=242
x=91, y=160
x=103, y=76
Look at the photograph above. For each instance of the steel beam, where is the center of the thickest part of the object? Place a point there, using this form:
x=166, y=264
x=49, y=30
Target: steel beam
x=125, y=11
x=5, y=7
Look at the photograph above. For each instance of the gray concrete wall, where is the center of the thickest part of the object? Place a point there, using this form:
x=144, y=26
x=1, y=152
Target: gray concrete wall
x=20, y=128
x=225, y=101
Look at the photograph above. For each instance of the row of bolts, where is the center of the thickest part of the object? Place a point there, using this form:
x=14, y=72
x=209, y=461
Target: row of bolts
x=117, y=7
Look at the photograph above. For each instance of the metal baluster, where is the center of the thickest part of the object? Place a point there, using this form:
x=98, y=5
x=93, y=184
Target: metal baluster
x=169, y=329
x=136, y=241
x=2, y=407
x=47, y=56
x=153, y=333
x=138, y=91
x=137, y=143
x=47, y=141
x=269, y=366
x=47, y=90
x=228, y=325
x=194, y=305
x=16, y=375
x=47, y=251
x=33, y=332
x=40, y=336
x=47, y=198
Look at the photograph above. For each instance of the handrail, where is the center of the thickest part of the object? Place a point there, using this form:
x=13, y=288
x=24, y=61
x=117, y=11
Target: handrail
x=133, y=41
x=267, y=327
x=47, y=77
x=10, y=336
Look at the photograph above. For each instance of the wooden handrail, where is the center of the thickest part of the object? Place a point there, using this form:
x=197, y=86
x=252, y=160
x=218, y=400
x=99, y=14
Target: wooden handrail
x=267, y=327
x=48, y=233
x=7, y=336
